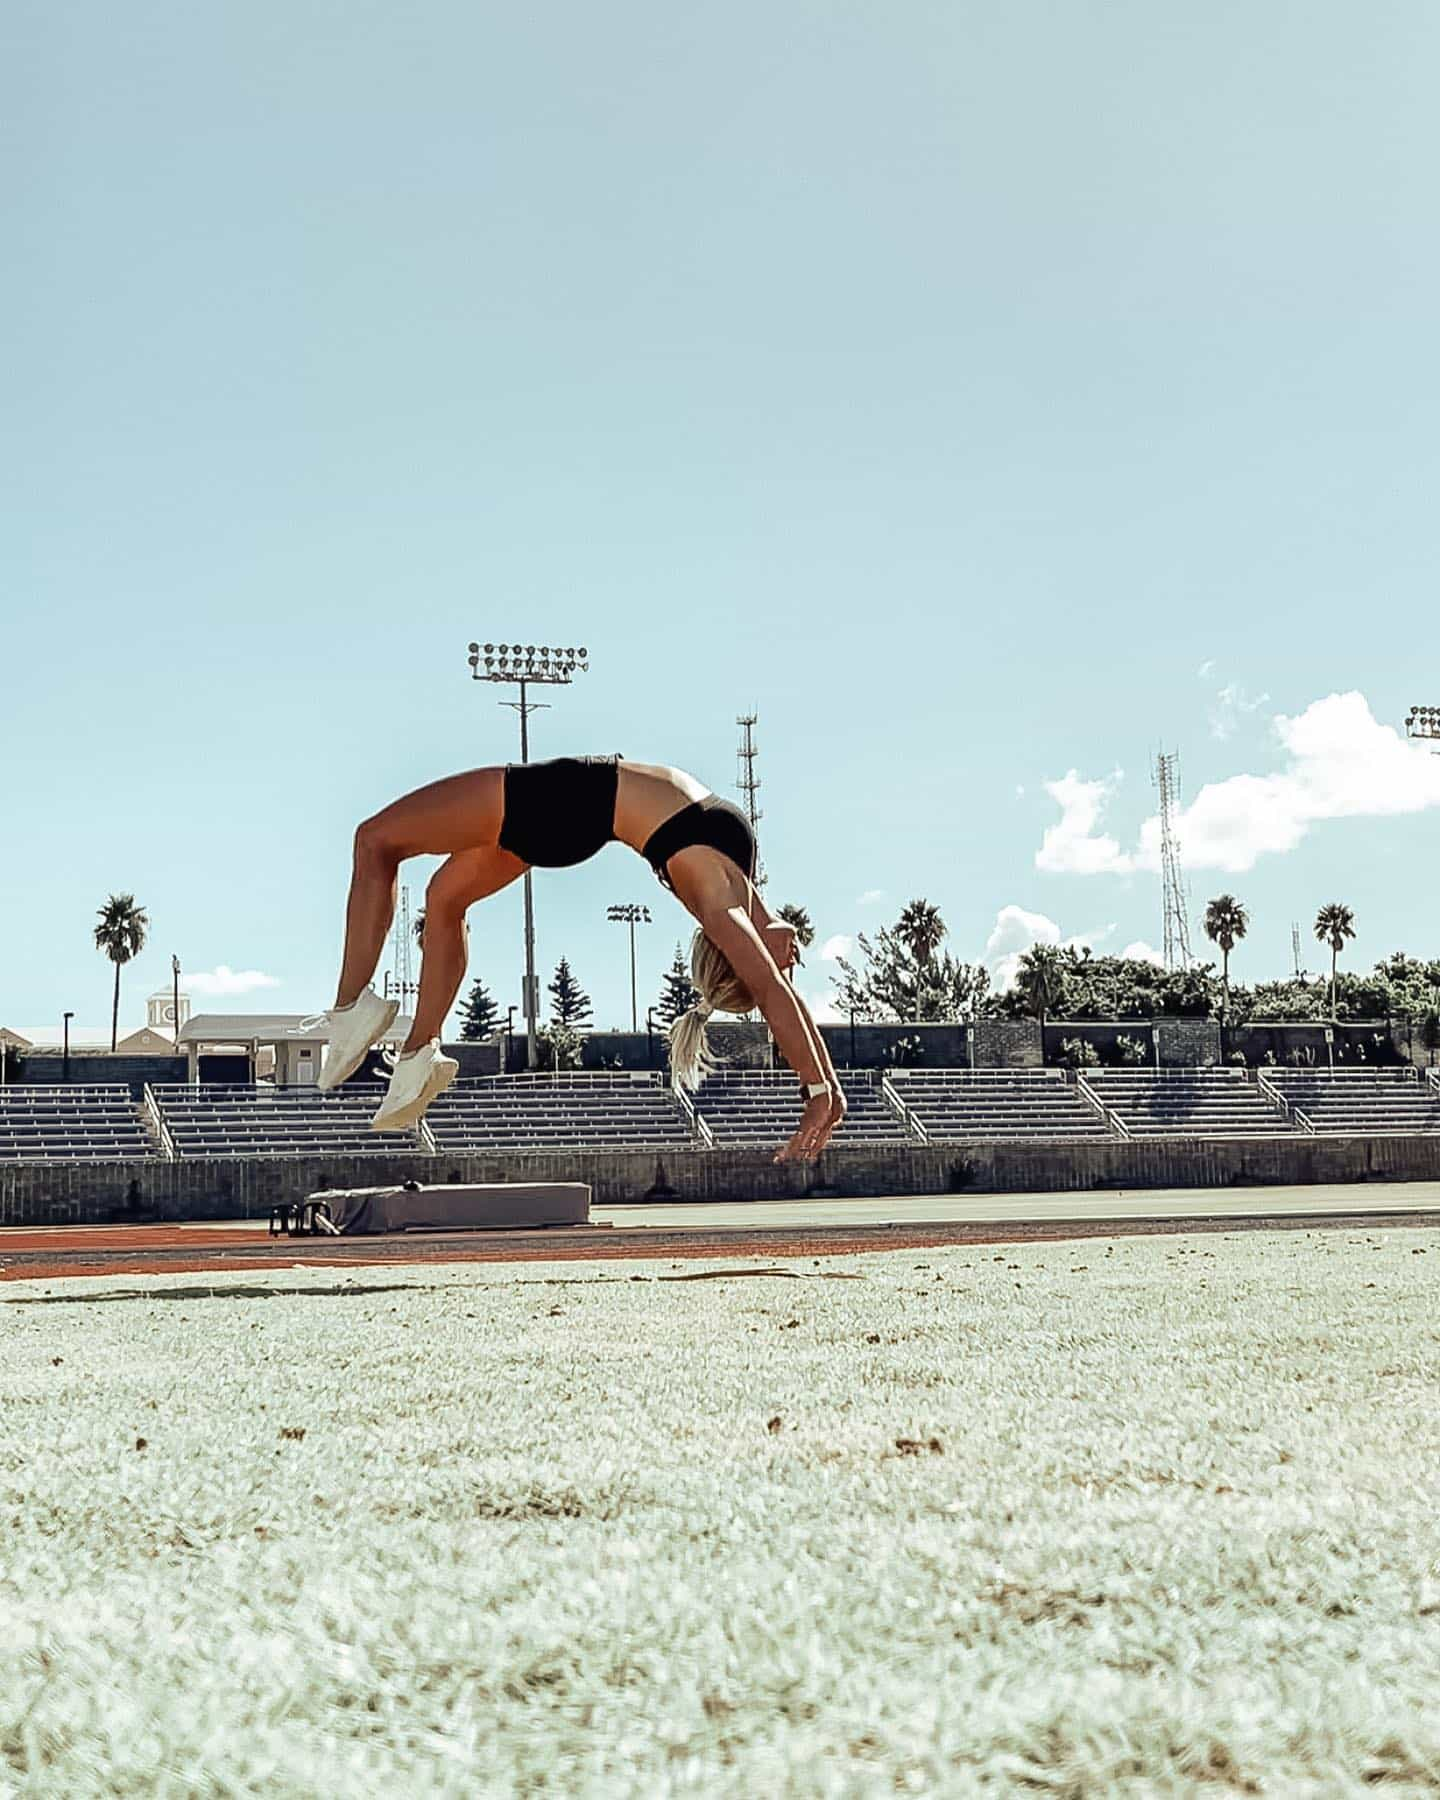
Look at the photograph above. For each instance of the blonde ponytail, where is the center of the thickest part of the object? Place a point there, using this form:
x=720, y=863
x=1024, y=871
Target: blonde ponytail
x=720, y=990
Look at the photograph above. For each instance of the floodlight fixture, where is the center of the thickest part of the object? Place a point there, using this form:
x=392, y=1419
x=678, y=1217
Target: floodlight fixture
x=1423, y=722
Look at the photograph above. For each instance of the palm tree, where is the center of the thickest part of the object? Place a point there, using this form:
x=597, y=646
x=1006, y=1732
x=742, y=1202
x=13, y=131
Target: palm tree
x=799, y=922
x=1226, y=922
x=121, y=935
x=1333, y=924
x=920, y=929
x=1040, y=978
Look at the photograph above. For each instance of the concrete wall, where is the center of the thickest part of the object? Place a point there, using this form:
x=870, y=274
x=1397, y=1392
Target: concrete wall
x=1358, y=1046
x=48, y=1070
x=1007, y=1044
x=1188, y=1043
x=96, y=1193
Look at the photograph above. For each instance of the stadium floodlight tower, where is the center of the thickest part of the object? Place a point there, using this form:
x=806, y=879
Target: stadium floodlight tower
x=1423, y=722
x=632, y=915
x=528, y=665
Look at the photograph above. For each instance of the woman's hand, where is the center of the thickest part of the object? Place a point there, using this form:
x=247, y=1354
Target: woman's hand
x=779, y=939
x=823, y=1112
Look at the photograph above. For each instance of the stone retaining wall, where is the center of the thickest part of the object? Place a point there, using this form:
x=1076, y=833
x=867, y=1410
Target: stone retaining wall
x=238, y=1188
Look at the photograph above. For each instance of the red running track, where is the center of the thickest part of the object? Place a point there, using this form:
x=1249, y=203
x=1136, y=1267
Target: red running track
x=39, y=1254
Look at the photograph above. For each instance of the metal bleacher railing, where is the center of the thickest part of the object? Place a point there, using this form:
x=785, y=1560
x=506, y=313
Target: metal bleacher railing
x=897, y=1104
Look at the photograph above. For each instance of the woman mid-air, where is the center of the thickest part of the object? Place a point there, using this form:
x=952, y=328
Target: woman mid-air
x=492, y=825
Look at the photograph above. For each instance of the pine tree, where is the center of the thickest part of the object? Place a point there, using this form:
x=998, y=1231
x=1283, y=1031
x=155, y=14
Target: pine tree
x=479, y=1015
x=679, y=993
x=569, y=1003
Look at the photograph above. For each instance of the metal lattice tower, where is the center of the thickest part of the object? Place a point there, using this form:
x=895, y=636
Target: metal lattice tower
x=1295, y=947
x=749, y=782
x=1177, y=926
x=403, y=937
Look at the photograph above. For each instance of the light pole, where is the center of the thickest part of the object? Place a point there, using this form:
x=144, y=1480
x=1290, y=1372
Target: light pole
x=524, y=663
x=175, y=996
x=649, y=1037
x=65, y=1055
x=632, y=915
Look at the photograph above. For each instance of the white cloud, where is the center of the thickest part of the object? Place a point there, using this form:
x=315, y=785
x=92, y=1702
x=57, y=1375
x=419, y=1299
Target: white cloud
x=871, y=897
x=824, y=1011
x=1019, y=790
x=1340, y=763
x=1205, y=667
x=221, y=981
x=1070, y=848
x=1232, y=705
x=1140, y=951
x=1015, y=931
x=835, y=947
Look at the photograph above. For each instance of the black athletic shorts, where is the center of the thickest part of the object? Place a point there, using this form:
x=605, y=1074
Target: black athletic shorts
x=560, y=812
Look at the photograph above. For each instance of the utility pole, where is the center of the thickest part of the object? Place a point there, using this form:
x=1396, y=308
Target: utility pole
x=525, y=664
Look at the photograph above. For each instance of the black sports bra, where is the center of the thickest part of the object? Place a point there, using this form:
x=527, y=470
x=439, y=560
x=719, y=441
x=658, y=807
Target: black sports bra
x=718, y=824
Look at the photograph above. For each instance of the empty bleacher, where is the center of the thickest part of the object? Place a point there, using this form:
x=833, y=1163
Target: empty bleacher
x=1368, y=1102
x=586, y=1109
x=952, y=1105
x=78, y=1123
x=763, y=1106
x=269, y=1121
x=1187, y=1102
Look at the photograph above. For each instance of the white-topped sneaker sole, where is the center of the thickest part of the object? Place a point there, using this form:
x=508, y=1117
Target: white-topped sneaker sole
x=411, y=1113
x=333, y=1072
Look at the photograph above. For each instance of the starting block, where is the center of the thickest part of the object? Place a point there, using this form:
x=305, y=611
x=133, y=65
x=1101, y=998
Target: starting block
x=474, y=1206
x=303, y=1218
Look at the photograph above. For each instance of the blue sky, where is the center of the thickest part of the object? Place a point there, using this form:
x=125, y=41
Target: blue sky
x=980, y=394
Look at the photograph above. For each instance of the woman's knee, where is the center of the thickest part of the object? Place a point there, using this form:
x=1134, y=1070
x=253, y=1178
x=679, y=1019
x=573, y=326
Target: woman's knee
x=375, y=845
x=446, y=901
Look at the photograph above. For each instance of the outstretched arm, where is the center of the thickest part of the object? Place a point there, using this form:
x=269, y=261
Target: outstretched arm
x=732, y=930
x=779, y=938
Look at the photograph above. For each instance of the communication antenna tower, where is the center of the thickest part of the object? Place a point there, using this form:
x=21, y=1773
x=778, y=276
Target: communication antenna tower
x=1177, y=927
x=749, y=782
x=402, y=983
x=1295, y=948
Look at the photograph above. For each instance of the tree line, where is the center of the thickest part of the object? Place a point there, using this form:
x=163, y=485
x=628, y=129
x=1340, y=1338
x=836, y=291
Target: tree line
x=903, y=975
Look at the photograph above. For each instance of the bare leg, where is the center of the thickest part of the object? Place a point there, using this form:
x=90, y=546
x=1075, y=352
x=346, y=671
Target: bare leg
x=464, y=879
x=460, y=813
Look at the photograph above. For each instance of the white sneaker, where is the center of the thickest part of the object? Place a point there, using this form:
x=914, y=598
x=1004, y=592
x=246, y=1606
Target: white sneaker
x=417, y=1079
x=353, y=1029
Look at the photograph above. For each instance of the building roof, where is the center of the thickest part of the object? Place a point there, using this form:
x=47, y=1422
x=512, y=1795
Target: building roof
x=145, y=1042
x=267, y=1028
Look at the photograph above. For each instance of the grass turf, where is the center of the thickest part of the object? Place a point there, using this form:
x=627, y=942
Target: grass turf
x=1134, y=1517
